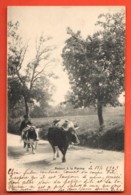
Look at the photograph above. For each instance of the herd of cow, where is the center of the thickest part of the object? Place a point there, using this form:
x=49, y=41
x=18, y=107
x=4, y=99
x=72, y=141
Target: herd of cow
x=60, y=135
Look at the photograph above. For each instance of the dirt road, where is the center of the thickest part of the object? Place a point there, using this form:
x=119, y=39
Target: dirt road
x=76, y=156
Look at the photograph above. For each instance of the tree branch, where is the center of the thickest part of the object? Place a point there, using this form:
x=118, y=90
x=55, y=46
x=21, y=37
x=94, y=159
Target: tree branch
x=22, y=58
x=33, y=73
x=22, y=82
x=38, y=73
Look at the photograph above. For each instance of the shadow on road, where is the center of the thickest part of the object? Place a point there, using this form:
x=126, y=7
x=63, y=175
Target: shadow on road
x=15, y=152
x=39, y=163
x=41, y=160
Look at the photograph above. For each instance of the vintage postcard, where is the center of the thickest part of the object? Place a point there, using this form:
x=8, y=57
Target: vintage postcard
x=66, y=98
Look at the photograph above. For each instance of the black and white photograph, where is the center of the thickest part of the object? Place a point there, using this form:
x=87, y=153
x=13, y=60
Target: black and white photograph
x=66, y=98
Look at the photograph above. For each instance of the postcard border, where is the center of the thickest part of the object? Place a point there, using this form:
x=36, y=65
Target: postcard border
x=3, y=70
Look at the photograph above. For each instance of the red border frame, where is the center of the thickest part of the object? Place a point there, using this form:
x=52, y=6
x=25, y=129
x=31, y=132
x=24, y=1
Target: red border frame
x=3, y=17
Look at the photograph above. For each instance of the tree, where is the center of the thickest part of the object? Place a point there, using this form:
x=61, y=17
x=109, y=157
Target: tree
x=30, y=78
x=96, y=65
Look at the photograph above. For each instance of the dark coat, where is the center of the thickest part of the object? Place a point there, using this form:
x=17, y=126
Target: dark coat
x=24, y=124
x=61, y=138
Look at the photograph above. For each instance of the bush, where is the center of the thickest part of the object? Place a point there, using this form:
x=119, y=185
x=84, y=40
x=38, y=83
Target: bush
x=111, y=139
x=14, y=125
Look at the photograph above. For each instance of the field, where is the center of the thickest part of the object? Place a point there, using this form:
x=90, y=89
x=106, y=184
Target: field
x=111, y=138
x=112, y=117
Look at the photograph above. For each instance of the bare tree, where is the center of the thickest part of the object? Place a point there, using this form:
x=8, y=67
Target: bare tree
x=28, y=74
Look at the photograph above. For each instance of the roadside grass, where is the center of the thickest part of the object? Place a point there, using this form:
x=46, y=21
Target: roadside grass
x=86, y=123
x=110, y=138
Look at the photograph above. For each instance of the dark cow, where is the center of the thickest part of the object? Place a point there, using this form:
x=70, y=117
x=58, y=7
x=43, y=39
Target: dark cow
x=60, y=138
x=30, y=138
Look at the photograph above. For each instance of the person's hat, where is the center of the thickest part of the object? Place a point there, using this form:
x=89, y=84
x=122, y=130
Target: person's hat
x=26, y=116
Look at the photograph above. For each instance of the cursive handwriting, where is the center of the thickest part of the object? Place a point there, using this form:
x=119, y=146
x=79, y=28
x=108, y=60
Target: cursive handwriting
x=92, y=178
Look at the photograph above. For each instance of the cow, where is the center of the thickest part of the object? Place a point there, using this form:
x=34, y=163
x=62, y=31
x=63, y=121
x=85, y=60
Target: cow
x=65, y=124
x=61, y=138
x=30, y=138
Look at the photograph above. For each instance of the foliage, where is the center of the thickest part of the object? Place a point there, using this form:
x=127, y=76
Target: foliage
x=14, y=125
x=112, y=139
x=95, y=65
x=28, y=81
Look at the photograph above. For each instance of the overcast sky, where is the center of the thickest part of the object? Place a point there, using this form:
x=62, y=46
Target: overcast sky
x=53, y=21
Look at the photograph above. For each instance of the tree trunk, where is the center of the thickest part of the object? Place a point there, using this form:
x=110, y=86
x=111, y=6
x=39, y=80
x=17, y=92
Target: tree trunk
x=100, y=114
x=26, y=106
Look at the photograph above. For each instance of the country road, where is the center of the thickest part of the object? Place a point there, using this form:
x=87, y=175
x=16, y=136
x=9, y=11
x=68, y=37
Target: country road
x=85, y=169
x=76, y=156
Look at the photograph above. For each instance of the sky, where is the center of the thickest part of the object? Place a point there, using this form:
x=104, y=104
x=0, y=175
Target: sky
x=53, y=21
